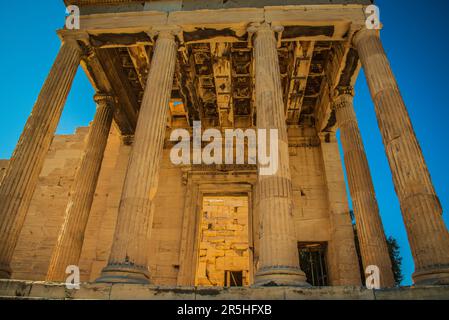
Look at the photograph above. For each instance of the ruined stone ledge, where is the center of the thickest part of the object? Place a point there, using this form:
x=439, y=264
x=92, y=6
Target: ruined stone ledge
x=15, y=289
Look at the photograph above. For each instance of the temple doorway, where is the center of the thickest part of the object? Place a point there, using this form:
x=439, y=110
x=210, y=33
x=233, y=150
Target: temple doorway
x=223, y=242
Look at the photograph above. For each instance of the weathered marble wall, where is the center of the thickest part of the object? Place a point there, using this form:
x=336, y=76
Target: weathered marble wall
x=46, y=212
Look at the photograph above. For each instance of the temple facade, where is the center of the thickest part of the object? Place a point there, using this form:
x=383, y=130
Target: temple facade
x=110, y=200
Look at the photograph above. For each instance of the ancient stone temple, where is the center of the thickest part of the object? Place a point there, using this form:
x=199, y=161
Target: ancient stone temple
x=110, y=200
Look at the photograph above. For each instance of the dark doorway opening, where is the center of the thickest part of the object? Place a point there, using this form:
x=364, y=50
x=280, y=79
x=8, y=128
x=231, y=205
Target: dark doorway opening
x=233, y=278
x=313, y=262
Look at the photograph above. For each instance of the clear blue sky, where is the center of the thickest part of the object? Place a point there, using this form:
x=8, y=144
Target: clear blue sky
x=414, y=36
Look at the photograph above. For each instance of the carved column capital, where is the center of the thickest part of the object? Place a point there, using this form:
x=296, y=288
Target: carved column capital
x=339, y=91
x=104, y=99
x=74, y=36
x=363, y=34
x=342, y=96
x=79, y=39
x=257, y=27
x=327, y=136
x=127, y=140
x=166, y=32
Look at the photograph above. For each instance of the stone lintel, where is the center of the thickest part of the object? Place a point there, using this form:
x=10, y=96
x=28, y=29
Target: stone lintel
x=310, y=22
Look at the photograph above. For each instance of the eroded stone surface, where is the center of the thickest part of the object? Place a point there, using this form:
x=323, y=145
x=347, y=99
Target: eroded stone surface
x=13, y=289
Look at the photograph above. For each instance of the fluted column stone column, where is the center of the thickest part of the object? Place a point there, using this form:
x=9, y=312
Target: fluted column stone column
x=421, y=208
x=70, y=241
x=19, y=182
x=342, y=262
x=279, y=258
x=128, y=261
x=373, y=245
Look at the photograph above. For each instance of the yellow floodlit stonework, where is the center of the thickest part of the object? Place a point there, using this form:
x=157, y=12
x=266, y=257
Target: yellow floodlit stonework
x=223, y=242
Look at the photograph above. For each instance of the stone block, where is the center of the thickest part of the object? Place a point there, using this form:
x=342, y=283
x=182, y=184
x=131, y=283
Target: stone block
x=413, y=293
x=240, y=246
x=15, y=288
x=245, y=293
x=49, y=290
x=328, y=293
x=147, y=292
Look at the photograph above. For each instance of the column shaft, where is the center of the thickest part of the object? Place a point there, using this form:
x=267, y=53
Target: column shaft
x=19, y=182
x=279, y=258
x=343, y=265
x=373, y=245
x=421, y=209
x=128, y=261
x=70, y=241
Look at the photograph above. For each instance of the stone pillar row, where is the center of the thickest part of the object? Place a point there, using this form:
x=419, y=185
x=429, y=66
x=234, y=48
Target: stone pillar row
x=373, y=245
x=70, y=241
x=421, y=209
x=21, y=177
x=278, y=260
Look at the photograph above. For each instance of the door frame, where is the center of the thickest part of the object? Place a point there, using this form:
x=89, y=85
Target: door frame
x=201, y=183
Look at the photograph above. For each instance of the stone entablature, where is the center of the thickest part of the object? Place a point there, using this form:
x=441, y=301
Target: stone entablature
x=97, y=6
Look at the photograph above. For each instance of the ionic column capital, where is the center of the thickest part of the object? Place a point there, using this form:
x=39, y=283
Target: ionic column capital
x=74, y=37
x=327, y=136
x=104, y=99
x=77, y=39
x=364, y=34
x=344, y=90
x=166, y=32
x=342, y=96
x=257, y=27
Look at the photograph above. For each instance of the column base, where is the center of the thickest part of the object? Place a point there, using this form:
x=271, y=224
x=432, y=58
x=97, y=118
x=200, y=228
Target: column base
x=280, y=276
x=432, y=277
x=117, y=273
x=5, y=272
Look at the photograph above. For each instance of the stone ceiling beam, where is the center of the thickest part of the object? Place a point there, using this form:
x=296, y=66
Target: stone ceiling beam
x=128, y=103
x=325, y=117
x=202, y=77
x=140, y=56
x=303, y=54
x=242, y=85
x=221, y=53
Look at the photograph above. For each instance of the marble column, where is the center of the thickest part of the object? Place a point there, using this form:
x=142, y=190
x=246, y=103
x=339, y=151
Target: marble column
x=373, y=245
x=342, y=260
x=421, y=208
x=278, y=260
x=19, y=182
x=70, y=241
x=128, y=261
